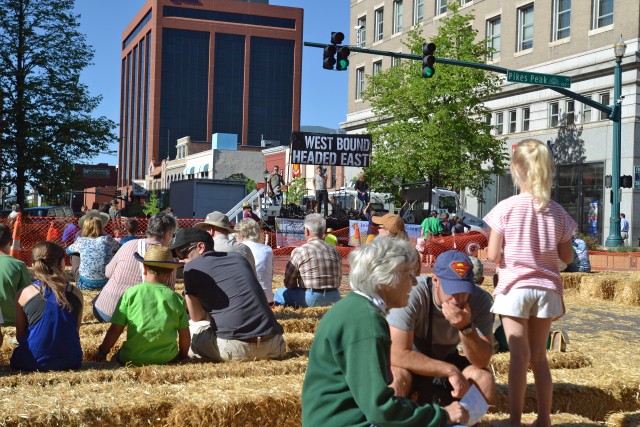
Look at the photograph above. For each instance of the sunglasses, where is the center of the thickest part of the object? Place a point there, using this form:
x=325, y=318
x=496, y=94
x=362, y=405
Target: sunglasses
x=183, y=252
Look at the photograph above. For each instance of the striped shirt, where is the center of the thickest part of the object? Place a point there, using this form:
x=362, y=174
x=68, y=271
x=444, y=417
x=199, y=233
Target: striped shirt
x=316, y=264
x=123, y=272
x=530, y=242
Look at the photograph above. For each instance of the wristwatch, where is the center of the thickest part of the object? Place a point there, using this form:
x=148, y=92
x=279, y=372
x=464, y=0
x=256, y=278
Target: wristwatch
x=467, y=330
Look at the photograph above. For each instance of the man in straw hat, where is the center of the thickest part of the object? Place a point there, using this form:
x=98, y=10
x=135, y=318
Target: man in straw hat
x=443, y=312
x=153, y=314
x=230, y=316
x=218, y=226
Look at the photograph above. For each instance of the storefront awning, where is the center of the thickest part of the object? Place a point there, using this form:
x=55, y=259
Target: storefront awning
x=189, y=170
x=204, y=168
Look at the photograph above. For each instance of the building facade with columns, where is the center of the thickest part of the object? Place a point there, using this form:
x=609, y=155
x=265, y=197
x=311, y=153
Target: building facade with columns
x=545, y=36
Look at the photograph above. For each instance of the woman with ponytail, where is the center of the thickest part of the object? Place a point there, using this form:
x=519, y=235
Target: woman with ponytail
x=529, y=234
x=48, y=316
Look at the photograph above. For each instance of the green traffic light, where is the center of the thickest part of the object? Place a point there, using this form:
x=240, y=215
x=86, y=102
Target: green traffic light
x=343, y=64
x=428, y=72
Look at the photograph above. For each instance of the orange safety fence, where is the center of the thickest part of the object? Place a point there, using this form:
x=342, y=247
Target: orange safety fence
x=32, y=230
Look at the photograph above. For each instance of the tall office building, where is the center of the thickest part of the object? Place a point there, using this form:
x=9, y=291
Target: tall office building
x=197, y=68
x=546, y=36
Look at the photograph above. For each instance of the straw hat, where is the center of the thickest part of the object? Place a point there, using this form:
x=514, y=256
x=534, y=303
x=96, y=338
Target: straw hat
x=94, y=213
x=158, y=256
x=246, y=205
x=216, y=219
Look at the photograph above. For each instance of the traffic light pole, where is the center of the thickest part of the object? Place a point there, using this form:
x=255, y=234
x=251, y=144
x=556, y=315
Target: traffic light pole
x=612, y=112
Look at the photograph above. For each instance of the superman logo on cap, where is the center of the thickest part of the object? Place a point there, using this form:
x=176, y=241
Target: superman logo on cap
x=461, y=268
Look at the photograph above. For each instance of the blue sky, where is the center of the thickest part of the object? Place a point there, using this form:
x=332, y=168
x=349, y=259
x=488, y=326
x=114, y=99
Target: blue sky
x=324, y=92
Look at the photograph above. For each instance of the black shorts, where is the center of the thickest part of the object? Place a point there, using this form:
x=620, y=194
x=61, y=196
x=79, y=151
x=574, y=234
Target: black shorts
x=437, y=389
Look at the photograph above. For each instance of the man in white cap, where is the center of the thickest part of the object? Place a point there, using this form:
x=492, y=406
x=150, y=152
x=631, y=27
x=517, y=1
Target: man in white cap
x=444, y=311
x=218, y=226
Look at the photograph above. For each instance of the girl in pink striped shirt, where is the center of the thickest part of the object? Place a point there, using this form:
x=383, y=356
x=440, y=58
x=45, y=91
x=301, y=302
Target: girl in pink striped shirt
x=529, y=234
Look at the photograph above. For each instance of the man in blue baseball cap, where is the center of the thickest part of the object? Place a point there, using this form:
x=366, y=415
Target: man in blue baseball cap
x=444, y=312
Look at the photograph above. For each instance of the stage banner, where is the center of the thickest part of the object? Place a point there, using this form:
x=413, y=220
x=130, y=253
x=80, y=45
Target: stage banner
x=289, y=232
x=310, y=148
x=358, y=230
x=413, y=231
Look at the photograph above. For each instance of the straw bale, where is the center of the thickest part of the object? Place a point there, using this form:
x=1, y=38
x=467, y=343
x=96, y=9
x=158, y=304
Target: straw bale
x=283, y=313
x=569, y=360
x=572, y=280
x=600, y=287
x=624, y=419
x=299, y=325
x=561, y=419
x=628, y=293
x=226, y=401
x=298, y=342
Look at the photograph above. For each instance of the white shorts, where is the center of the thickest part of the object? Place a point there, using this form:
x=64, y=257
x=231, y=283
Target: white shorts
x=529, y=302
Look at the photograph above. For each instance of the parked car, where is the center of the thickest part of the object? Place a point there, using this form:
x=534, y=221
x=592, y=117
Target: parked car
x=48, y=211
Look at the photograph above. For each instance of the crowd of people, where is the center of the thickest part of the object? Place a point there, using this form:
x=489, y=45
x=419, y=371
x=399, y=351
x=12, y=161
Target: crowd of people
x=387, y=352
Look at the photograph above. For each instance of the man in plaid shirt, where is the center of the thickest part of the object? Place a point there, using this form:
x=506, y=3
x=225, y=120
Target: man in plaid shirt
x=312, y=277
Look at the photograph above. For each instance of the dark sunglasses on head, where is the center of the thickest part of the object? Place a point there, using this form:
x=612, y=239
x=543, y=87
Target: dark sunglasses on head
x=183, y=252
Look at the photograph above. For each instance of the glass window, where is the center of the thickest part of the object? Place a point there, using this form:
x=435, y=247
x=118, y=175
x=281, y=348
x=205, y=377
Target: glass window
x=571, y=110
x=361, y=33
x=525, y=28
x=512, y=121
x=499, y=123
x=493, y=37
x=379, y=24
x=526, y=117
x=377, y=67
x=359, y=82
x=395, y=61
x=441, y=6
x=184, y=87
x=586, y=111
x=604, y=99
x=270, y=90
x=397, y=16
x=228, y=86
x=561, y=19
x=554, y=114
x=418, y=11
x=463, y=2
x=602, y=12
x=137, y=29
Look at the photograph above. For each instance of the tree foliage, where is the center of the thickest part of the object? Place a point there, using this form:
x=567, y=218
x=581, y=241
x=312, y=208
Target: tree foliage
x=435, y=128
x=152, y=205
x=46, y=111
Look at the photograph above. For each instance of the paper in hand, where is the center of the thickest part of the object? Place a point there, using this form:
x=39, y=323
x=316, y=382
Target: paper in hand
x=474, y=403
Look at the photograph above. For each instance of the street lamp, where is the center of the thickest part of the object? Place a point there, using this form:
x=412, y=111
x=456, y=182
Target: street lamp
x=614, y=238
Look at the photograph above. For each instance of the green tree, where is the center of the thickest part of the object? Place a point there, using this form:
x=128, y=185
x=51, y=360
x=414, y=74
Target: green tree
x=151, y=206
x=296, y=190
x=47, y=126
x=435, y=128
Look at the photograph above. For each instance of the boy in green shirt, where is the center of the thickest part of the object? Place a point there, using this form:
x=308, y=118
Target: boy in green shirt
x=14, y=276
x=153, y=315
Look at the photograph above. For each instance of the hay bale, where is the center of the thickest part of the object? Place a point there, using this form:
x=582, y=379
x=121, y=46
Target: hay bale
x=600, y=287
x=572, y=280
x=254, y=401
x=299, y=325
x=569, y=360
x=624, y=419
x=556, y=419
x=628, y=293
x=298, y=342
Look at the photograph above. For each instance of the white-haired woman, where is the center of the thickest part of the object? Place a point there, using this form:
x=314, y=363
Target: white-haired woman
x=347, y=379
x=248, y=232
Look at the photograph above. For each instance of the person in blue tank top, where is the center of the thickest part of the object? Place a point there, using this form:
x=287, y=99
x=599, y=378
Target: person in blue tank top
x=48, y=316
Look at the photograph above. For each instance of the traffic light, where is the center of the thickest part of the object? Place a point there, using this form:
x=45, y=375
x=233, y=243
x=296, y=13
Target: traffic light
x=330, y=50
x=428, y=60
x=626, y=181
x=329, y=57
x=343, y=58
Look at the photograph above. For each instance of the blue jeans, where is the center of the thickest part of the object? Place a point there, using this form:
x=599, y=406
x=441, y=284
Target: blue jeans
x=301, y=297
x=276, y=200
x=91, y=284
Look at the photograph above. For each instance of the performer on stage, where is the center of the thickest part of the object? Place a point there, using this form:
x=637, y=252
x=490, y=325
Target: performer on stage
x=363, y=191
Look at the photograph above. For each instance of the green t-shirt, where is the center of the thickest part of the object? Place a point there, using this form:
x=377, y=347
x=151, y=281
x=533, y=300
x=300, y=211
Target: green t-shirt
x=331, y=239
x=431, y=224
x=14, y=276
x=153, y=314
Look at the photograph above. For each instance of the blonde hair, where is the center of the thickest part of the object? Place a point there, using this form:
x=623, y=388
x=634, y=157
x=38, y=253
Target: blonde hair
x=533, y=168
x=92, y=227
x=47, y=268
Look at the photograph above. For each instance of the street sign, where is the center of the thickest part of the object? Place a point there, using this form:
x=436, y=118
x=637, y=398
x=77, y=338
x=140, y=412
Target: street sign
x=538, y=79
x=636, y=181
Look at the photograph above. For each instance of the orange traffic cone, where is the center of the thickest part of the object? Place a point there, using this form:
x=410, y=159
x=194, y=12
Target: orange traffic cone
x=52, y=233
x=356, y=233
x=16, y=248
